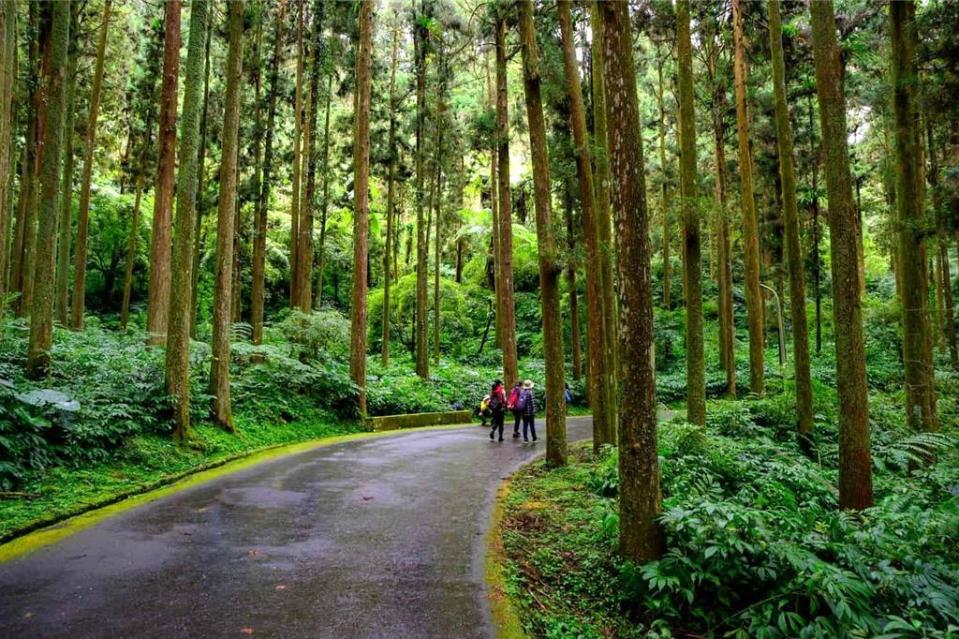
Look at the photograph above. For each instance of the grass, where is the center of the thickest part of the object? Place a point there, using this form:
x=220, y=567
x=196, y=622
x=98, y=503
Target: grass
x=143, y=463
x=559, y=570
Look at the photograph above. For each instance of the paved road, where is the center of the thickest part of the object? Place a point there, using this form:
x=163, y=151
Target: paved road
x=370, y=538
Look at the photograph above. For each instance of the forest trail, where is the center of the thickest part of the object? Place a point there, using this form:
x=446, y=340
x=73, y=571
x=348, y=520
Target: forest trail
x=370, y=538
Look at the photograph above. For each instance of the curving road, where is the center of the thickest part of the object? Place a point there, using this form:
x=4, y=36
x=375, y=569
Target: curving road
x=370, y=538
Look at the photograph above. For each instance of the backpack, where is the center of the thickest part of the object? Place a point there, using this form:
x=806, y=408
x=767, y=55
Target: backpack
x=484, y=405
x=524, y=397
x=495, y=401
x=514, y=397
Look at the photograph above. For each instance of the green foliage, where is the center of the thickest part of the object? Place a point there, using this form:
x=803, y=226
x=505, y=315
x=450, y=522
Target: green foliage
x=757, y=546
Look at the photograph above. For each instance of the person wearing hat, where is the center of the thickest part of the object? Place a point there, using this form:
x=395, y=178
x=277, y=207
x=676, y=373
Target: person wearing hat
x=528, y=405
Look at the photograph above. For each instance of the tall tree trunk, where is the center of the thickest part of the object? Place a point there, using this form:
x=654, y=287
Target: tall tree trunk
x=263, y=197
x=25, y=239
x=603, y=432
x=180, y=312
x=361, y=206
x=603, y=214
x=390, y=201
x=325, y=205
x=420, y=35
x=41, y=314
x=814, y=155
x=8, y=64
x=494, y=209
x=83, y=219
x=158, y=300
x=797, y=272
x=695, y=353
x=222, y=296
x=917, y=351
x=62, y=295
x=855, y=463
x=304, y=251
x=640, y=499
x=660, y=97
x=198, y=237
x=754, y=297
x=574, y=337
x=504, y=281
x=727, y=323
x=549, y=266
x=297, y=157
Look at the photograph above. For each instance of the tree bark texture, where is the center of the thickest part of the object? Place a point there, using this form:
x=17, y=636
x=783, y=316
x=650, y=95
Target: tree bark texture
x=855, y=461
x=640, y=498
x=222, y=295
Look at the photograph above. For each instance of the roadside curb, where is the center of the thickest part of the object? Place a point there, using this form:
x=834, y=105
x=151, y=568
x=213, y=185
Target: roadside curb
x=35, y=537
x=506, y=619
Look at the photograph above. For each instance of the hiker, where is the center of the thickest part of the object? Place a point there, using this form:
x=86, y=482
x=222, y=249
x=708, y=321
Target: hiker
x=497, y=404
x=567, y=397
x=512, y=405
x=527, y=403
x=483, y=410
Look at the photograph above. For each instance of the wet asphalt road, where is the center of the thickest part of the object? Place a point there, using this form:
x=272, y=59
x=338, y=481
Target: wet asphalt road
x=371, y=538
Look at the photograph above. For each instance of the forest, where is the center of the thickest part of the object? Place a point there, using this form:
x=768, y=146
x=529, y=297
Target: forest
x=722, y=235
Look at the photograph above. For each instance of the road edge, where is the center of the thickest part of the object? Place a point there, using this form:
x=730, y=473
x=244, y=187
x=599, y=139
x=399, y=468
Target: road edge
x=52, y=532
x=506, y=619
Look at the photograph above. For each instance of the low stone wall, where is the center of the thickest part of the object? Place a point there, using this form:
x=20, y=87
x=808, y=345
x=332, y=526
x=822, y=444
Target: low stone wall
x=396, y=422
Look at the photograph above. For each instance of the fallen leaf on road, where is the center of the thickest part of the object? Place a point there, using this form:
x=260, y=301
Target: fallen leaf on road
x=366, y=498
x=280, y=587
x=247, y=631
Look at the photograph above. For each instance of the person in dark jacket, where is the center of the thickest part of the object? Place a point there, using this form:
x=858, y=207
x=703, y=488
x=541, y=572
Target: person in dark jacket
x=528, y=405
x=497, y=404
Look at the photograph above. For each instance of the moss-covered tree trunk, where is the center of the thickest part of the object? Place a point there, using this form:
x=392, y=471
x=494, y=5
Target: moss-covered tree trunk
x=420, y=35
x=178, y=325
x=41, y=313
x=8, y=63
x=158, y=290
x=549, y=266
x=83, y=217
x=661, y=102
x=693, y=287
x=603, y=213
x=640, y=499
x=855, y=461
x=297, y=177
x=134, y=226
x=62, y=295
x=390, y=201
x=727, y=325
x=911, y=227
x=222, y=295
x=504, y=280
x=325, y=204
x=199, y=239
x=361, y=206
x=304, y=250
x=797, y=271
x=754, y=297
x=258, y=292
x=595, y=326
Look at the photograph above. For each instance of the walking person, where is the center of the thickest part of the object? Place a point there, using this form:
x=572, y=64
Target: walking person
x=497, y=404
x=512, y=404
x=528, y=408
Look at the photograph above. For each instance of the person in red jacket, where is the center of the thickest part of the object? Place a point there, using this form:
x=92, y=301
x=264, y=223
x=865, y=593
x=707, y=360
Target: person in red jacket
x=497, y=404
